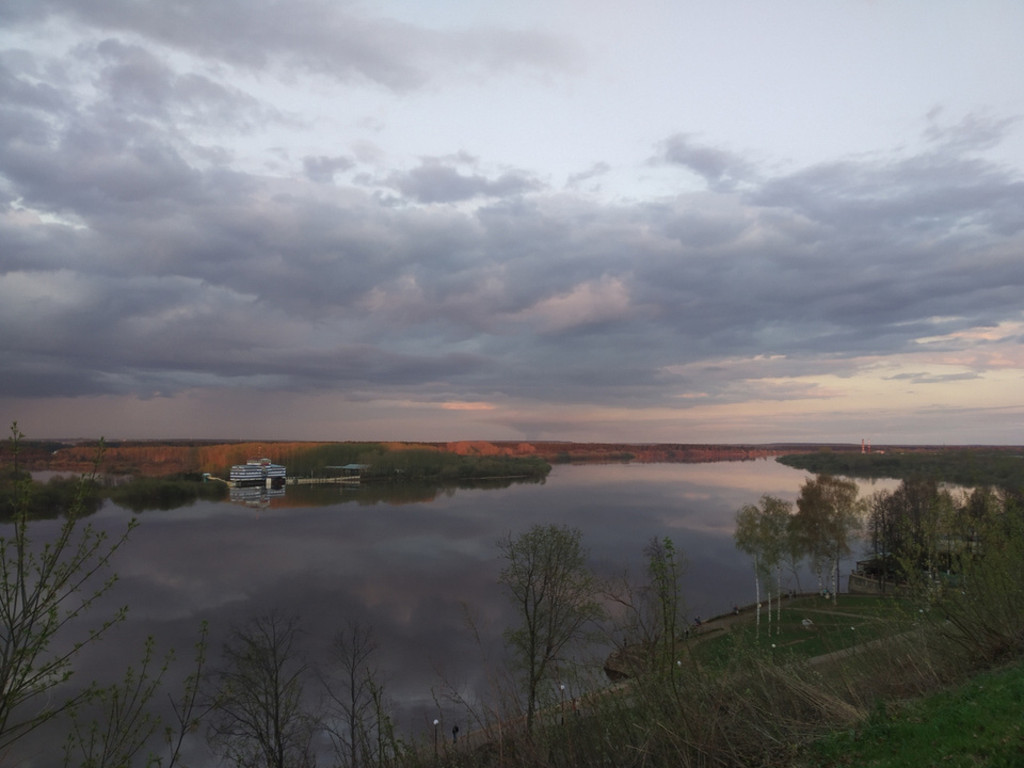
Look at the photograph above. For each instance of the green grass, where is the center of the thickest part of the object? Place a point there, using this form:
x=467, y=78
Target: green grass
x=976, y=723
x=852, y=621
x=979, y=723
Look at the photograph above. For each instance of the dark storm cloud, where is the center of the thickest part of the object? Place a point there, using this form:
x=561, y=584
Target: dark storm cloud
x=136, y=258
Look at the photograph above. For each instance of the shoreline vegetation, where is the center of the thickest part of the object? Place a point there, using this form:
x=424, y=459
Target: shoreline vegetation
x=970, y=467
x=965, y=465
x=155, y=458
x=140, y=475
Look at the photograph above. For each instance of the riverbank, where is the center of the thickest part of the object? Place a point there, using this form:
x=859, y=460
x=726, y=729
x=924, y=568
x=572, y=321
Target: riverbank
x=158, y=458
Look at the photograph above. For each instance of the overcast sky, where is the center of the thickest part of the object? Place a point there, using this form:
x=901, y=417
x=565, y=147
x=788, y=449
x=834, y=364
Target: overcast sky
x=568, y=219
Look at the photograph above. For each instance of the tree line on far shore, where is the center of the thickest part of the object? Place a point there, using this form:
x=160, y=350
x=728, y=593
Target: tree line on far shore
x=998, y=467
x=141, y=493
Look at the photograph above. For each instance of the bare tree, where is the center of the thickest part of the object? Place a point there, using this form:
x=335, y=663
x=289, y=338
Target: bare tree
x=359, y=722
x=554, y=591
x=259, y=717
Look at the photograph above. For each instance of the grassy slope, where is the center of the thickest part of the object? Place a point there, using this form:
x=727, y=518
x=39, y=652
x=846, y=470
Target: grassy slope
x=978, y=723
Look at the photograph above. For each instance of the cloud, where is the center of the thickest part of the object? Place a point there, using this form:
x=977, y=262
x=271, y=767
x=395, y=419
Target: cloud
x=974, y=132
x=322, y=169
x=721, y=169
x=181, y=275
x=461, y=406
x=435, y=182
x=176, y=218
x=931, y=378
x=338, y=40
x=595, y=171
x=592, y=302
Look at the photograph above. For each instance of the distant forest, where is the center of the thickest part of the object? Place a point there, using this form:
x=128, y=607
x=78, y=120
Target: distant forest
x=303, y=459
x=970, y=467
x=474, y=460
x=181, y=483
x=159, y=458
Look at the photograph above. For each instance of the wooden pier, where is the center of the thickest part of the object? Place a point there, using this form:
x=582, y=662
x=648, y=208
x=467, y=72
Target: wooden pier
x=347, y=480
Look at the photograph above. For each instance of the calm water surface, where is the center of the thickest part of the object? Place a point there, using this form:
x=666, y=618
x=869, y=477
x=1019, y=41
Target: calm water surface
x=418, y=571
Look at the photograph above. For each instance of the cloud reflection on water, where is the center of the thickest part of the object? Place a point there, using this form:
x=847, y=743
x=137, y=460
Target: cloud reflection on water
x=414, y=571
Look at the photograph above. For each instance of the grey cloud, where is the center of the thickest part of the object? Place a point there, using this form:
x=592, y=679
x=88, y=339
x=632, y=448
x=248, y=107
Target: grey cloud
x=137, y=262
x=135, y=82
x=937, y=192
x=48, y=377
x=31, y=93
x=974, y=132
x=135, y=74
x=721, y=169
x=323, y=168
x=92, y=170
x=338, y=40
x=595, y=171
x=932, y=378
x=410, y=294
x=434, y=182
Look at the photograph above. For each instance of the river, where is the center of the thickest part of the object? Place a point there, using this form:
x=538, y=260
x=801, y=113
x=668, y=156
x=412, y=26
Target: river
x=423, y=570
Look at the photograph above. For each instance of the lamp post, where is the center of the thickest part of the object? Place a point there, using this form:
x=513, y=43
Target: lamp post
x=436, y=723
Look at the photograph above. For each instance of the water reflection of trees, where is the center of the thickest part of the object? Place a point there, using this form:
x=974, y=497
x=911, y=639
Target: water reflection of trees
x=394, y=493
x=49, y=500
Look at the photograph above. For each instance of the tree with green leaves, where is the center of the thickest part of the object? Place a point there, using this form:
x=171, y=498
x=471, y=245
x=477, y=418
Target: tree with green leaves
x=886, y=535
x=829, y=516
x=665, y=568
x=763, y=532
x=46, y=593
x=555, y=594
x=649, y=614
x=777, y=524
x=125, y=723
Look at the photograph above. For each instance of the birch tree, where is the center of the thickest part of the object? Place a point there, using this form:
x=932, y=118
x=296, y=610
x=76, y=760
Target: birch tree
x=829, y=515
x=748, y=540
x=762, y=532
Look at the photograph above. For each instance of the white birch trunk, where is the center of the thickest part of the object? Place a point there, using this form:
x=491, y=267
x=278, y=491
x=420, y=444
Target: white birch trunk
x=757, y=598
x=778, y=600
